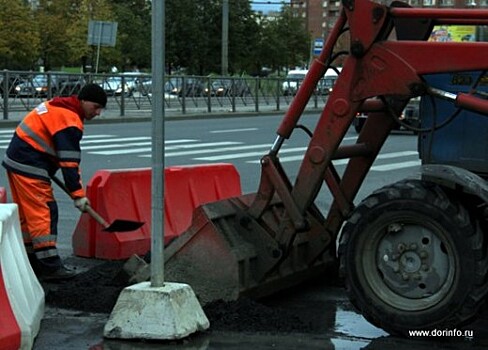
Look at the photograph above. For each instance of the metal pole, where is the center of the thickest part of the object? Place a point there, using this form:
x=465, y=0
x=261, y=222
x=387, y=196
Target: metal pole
x=98, y=46
x=225, y=37
x=6, y=93
x=157, y=179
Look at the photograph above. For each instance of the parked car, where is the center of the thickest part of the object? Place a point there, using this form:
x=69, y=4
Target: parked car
x=228, y=87
x=292, y=81
x=126, y=83
x=184, y=86
x=44, y=85
x=113, y=86
x=145, y=87
x=326, y=84
x=12, y=81
x=72, y=86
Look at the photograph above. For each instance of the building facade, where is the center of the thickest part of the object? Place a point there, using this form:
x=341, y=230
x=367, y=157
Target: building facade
x=321, y=15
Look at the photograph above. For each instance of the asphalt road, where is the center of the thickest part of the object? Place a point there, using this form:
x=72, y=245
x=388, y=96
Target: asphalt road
x=242, y=141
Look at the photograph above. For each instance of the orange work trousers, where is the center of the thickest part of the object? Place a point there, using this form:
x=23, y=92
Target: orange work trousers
x=38, y=214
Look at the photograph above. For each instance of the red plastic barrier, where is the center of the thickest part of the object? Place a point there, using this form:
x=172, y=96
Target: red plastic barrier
x=3, y=195
x=10, y=333
x=126, y=194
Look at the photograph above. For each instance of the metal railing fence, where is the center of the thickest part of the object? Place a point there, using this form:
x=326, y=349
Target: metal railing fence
x=21, y=91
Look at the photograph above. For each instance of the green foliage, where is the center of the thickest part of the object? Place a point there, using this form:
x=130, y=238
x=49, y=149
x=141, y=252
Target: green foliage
x=19, y=36
x=134, y=34
x=55, y=35
x=77, y=32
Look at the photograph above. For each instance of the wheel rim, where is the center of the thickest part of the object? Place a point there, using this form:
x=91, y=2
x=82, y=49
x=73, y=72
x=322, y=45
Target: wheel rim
x=412, y=258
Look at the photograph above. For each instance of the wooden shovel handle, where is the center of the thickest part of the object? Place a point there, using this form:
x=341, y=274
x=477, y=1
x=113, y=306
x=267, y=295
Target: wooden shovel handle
x=97, y=217
x=89, y=209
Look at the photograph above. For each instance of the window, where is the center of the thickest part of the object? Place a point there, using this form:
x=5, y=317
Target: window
x=446, y=3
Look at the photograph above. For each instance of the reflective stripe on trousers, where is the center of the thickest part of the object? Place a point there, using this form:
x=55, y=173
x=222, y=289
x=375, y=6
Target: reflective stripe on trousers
x=38, y=213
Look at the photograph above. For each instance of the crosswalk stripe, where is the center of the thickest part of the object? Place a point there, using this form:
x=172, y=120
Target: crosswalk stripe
x=205, y=144
x=115, y=145
x=123, y=151
x=232, y=130
x=146, y=149
x=146, y=143
x=249, y=154
x=211, y=150
x=344, y=161
x=117, y=139
x=5, y=139
x=9, y=132
x=396, y=166
x=107, y=144
x=397, y=154
x=98, y=136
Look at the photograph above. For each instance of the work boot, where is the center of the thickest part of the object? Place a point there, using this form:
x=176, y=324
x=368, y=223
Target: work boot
x=61, y=274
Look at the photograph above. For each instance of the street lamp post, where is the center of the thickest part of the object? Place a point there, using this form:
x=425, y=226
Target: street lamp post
x=225, y=37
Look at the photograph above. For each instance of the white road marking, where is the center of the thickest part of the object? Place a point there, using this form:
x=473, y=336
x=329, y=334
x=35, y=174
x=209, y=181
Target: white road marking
x=117, y=139
x=145, y=149
x=344, y=161
x=395, y=166
x=191, y=147
x=211, y=150
x=232, y=130
x=249, y=154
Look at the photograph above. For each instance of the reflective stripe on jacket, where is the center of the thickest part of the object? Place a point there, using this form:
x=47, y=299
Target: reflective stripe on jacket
x=46, y=140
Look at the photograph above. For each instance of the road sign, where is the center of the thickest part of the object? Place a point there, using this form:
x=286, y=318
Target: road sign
x=102, y=33
x=318, y=44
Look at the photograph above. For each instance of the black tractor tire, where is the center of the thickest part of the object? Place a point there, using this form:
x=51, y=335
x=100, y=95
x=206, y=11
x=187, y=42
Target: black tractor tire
x=413, y=258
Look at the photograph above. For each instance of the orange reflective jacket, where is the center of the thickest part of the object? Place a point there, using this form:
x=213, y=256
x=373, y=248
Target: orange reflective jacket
x=48, y=139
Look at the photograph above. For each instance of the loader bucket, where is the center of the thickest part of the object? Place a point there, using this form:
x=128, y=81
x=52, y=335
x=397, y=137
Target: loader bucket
x=225, y=254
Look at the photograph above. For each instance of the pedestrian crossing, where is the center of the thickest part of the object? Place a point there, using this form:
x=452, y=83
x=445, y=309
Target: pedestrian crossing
x=220, y=151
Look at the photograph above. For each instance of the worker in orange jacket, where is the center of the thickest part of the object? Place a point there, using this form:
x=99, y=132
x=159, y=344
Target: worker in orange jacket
x=46, y=140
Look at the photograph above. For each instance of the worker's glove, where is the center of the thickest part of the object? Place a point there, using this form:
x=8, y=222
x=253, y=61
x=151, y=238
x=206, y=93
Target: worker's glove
x=82, y=203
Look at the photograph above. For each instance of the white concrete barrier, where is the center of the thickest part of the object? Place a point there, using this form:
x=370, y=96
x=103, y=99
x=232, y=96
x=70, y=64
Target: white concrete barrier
x=21, y=294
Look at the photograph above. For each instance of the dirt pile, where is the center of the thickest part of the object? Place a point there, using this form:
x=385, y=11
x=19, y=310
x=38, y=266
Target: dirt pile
x=97, y=290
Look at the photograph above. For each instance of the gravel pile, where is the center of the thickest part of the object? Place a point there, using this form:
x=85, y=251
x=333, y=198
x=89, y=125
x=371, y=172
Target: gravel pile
x=97, y=290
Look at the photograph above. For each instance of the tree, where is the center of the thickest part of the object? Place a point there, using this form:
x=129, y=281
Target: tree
x=279, y=42
x=293, y=39
x=19, y=38
x=50, y=17
x=190, y=32
x=194, y=35
x=243, y=35
x=77, y=32
x=268, y=48
x=134, y=33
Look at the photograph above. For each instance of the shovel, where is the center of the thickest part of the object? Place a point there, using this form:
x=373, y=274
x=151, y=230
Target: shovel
x=116, y=226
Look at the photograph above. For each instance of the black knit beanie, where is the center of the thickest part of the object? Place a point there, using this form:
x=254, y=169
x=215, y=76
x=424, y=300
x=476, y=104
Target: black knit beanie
x=93, y=93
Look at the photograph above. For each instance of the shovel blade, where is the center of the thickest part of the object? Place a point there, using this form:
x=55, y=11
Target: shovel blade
x=123, y=226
